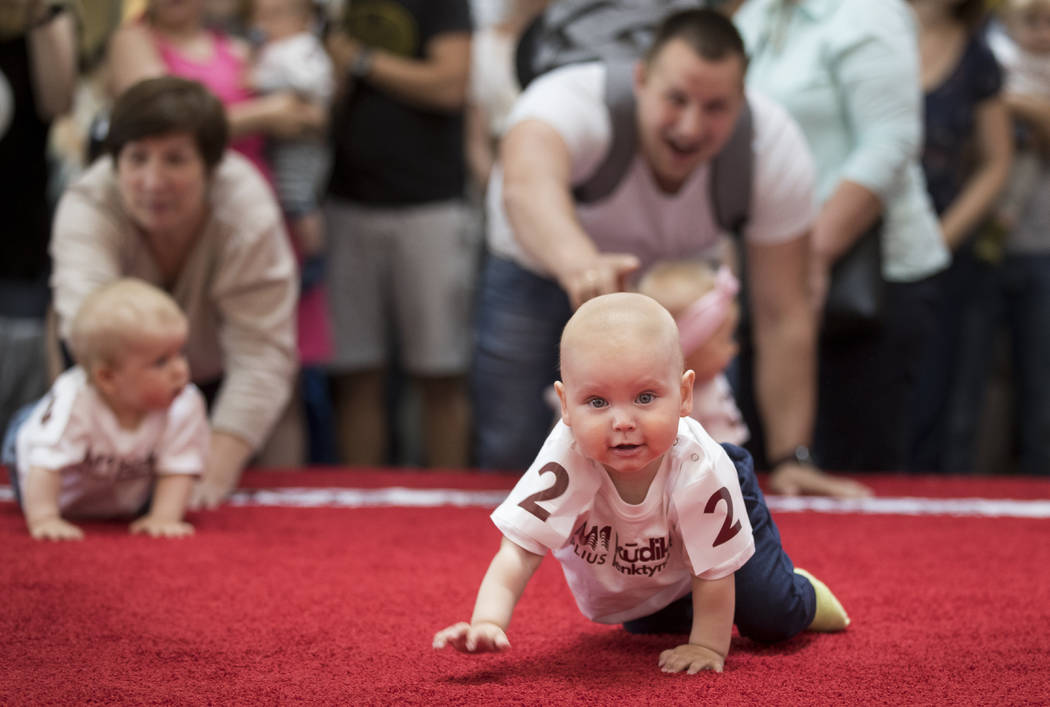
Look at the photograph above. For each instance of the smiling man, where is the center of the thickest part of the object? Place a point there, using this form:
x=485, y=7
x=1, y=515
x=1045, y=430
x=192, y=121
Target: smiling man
x=550, y=253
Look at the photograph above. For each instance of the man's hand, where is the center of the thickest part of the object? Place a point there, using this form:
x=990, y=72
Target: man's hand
x=483, y=637
x=55, y=529
x=343, y=51
x=605, y=273
x=692, y=659
x=805, y=480
x=161, y=528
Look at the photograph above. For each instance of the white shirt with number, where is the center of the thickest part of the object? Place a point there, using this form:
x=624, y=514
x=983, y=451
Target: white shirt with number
x=625, y=561
x=108, y=470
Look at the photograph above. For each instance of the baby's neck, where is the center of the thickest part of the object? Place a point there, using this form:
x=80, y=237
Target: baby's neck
x=632, y=487
x=127, y=419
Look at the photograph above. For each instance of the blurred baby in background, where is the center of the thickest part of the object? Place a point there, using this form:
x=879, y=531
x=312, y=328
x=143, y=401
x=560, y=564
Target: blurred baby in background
x=703, y=302
x=122, y=433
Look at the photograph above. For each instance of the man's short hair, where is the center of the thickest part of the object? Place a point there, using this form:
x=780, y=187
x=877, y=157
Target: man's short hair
x=165, y=105
x=116, y=315
x=709, y=33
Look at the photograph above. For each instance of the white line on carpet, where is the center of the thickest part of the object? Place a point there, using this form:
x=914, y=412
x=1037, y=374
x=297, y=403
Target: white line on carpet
x=406, y=497
x=430, y=498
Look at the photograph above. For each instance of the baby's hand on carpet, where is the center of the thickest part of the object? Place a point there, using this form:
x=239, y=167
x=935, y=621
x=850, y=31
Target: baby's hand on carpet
x=159, y=528
x=484, y=637
x=55, y=529
x=691, y=658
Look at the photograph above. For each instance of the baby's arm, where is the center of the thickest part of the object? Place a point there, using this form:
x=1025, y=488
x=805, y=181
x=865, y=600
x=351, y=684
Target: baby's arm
x=40, y=507
x=509, y=572
x=164, y=519
x=713, y=605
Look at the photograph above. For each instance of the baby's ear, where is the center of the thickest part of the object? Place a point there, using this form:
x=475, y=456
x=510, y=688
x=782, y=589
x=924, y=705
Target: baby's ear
x=688, y=379
x=103, y=377
x=559, y=388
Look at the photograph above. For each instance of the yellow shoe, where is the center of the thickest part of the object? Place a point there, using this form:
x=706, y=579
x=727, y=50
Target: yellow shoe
x=830, y=615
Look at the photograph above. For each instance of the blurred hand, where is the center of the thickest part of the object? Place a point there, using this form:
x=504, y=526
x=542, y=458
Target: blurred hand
x=208, y=494
x=343, y=51
x=290, y=116
x=605, y=273
x=55, y=529
x=806, y=480
x=160, y=528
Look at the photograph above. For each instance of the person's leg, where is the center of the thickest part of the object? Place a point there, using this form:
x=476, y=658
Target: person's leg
x=676, y=617
x=979, y=328
x=23, y=371
x=868, y=384
x=446, y=421
x=519, y=321
x=435, y=271
x=934, y=372
x=773, y=603
x=286, y=446
x=317, y=405
x=358, y=248
x=9, y=450
x=361, y=421
x=1028, y=282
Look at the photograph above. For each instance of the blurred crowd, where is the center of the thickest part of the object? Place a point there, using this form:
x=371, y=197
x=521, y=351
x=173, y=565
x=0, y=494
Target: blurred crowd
x=331, y=263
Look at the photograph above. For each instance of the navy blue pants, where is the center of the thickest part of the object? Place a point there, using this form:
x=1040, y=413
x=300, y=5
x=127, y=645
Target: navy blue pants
x=772, y=602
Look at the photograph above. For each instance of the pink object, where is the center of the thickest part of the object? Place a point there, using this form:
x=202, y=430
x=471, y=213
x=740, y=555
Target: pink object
x=223, y=74
x=701, y=319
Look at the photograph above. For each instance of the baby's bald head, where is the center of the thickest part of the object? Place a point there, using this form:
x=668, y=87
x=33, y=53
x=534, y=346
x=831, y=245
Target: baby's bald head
x=622, y=321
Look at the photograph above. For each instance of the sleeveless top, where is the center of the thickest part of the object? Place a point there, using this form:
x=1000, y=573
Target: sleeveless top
x=222, y=73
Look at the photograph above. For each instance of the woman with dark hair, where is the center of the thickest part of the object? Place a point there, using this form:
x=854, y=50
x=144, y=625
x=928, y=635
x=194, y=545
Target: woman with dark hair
x=170, y=205
x=966, y=159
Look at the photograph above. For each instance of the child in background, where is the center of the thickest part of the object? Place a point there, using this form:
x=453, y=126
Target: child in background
x=120, y=432
x=703, y=304
x=291, y=57
x=656, y=525
x=1022, y=46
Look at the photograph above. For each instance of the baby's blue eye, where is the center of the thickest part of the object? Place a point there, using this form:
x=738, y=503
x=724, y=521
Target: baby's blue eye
x=597, y=402
x=646, y=398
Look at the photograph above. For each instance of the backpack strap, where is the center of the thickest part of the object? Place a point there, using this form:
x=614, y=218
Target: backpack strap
x=731, y=176
x=619, y=100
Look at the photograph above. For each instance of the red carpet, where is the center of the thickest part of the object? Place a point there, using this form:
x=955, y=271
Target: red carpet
x=271, y=605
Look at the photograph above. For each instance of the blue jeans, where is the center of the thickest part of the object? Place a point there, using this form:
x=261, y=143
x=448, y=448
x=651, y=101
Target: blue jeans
x=8, y=451
x=1018, y=297
x=772, y=602
x=519, y=321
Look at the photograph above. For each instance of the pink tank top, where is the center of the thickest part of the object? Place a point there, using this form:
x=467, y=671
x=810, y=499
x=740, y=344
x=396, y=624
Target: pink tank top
x=223, y=74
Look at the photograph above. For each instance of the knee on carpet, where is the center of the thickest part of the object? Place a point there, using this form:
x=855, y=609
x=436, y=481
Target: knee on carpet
x=762, y=633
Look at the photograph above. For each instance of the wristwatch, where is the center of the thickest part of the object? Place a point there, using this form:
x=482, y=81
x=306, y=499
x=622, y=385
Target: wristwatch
x=799, y=455
x=362, y=65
